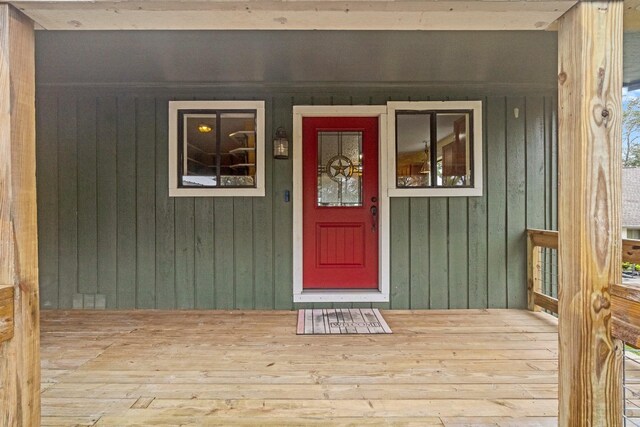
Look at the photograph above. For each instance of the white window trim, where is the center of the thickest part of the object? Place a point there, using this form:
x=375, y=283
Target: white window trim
x=476, y=106
x=375, y=295
x=175, y=190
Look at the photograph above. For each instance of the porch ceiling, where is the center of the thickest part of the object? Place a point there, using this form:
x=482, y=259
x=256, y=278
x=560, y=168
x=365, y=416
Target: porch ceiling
x=295, y=14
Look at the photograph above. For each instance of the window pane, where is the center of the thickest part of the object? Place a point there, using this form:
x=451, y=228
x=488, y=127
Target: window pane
x=453, y=150
x=237, y=149
x=340, y=169
x=413, y=139
x=199, y=148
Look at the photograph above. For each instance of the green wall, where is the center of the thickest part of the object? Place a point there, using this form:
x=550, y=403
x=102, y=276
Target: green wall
x=108, y=227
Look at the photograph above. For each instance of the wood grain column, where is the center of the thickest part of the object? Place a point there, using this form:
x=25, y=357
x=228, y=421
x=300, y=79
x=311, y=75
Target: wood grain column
x=20, y=356
x=590, y=85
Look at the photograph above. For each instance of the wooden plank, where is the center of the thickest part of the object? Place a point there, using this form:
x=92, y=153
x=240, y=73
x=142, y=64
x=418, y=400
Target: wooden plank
x=311, y=15
x=500, y=421
x=380, y=409
x=534, y=273
x=224, y=250
x=477, y=257
x=535, y=161
x=419, y=252
x=126, y=199
x=536, y=204
x=551, y=191
x=516, y=203
x=590, y=71
x=47, y=183
x=20, y=356
x=87, y=196
x=543, y=238
x=400, y=255
x=625, y=310
x=551, y=162
x=47, y=421
x=243, y=253
x=496, y=202
x=145, y=203
x=185, y=255
x=142, y=403
x=310, y=391
x=262, y=210
x=629, y=292
x=540, y=244
x=282, y=173
x=151, y=417
x=631, y=251
x=204, y=253
x=6, y=313
x=629, y=333
x=165, y=213
x=545, y=301
x=458, y=253
x=107, y=199
x=67, y=201
x=438, y=260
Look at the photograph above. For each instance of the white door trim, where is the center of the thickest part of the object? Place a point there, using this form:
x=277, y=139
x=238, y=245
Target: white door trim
x=374, y=295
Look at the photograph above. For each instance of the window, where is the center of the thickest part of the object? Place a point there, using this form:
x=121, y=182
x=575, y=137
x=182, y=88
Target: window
x=216, y=148
x=435, y=149
x=633, y=233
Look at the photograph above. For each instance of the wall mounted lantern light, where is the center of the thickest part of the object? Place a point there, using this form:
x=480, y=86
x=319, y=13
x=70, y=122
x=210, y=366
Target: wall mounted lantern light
x=281, y=144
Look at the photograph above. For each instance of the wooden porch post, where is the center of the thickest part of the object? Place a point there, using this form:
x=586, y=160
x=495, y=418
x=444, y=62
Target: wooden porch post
x=590, y=111
x=19, y=356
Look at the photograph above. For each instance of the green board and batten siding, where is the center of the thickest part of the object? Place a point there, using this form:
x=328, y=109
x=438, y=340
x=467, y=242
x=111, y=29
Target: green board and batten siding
x=107, y=225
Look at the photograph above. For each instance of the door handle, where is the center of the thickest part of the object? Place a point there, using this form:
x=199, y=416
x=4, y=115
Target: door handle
x=374, y=216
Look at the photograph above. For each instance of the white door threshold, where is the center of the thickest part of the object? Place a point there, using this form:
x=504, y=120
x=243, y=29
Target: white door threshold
x=334, y=295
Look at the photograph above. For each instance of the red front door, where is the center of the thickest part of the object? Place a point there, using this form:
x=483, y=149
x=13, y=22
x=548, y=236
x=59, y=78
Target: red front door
x=340, y=202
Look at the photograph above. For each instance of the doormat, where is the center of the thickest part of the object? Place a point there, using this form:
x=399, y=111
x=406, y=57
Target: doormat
x=341, y=321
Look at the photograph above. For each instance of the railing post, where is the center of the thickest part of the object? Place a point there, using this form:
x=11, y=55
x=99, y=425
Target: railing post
x=534, y=282
x=589, y=144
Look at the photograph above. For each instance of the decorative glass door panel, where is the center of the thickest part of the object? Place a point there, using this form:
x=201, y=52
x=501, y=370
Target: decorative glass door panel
x=340, y=169
x=340, y=203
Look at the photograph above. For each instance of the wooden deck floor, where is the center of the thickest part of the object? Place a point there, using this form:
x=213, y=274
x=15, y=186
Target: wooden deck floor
x=453, y=368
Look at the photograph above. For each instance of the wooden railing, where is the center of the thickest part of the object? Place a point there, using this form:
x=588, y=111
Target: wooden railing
x=537, y=239
x=625, y=307
x=6, y=313
x=625, y=299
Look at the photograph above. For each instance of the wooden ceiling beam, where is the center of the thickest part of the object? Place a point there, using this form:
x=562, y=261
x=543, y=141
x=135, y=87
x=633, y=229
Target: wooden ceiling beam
x=294, y=14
